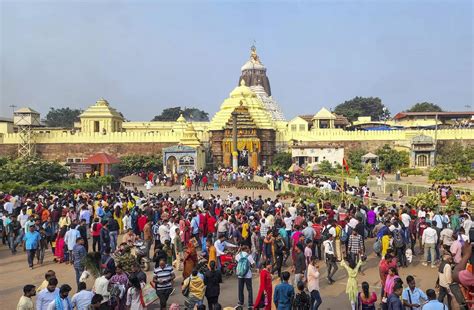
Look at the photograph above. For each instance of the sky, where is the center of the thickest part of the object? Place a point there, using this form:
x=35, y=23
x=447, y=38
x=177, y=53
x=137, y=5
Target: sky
x=144, y=56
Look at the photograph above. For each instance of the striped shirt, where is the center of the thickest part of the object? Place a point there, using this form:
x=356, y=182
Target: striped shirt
x=355, y=244
x=164, y=277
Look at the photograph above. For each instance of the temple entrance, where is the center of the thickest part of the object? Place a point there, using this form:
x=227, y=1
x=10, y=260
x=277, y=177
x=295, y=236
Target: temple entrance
x=171, y=164
x=243, y=158
x=422, y=160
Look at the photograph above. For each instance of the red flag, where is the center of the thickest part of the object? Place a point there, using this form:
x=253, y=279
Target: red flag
x=346, y=166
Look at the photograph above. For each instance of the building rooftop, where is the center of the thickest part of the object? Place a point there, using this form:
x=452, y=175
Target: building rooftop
x=466, y=114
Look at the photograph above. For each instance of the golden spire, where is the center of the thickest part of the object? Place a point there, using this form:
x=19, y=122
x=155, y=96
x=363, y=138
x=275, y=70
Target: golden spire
x=253, y=55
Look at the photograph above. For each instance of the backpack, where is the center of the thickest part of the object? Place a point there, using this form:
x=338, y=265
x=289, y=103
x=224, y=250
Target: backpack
x=95, y=227
x=301, y=302
x=243, y=266
x=325, y=234
x=398, y=239
x=279, y=246
x=345, y=234
x=378, y=246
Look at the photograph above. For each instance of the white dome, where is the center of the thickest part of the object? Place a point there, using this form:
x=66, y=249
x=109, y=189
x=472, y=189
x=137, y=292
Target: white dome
x=249, y=65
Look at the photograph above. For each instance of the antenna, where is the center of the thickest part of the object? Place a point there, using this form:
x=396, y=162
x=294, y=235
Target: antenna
x=13, y=107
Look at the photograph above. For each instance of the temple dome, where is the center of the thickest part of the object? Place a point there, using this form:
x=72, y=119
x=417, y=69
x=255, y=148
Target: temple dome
x=249, y=65
x=242, y=91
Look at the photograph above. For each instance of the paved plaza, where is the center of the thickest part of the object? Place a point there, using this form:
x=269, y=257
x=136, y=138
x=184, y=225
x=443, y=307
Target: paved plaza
x=16, y=274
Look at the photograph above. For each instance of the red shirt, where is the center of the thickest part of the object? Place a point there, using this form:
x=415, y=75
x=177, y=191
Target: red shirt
x=421, y=228
x=384, y=266
x=141, y=222
x=318, y=228
x=211, y=224
x=203, y=224
x=96, y=232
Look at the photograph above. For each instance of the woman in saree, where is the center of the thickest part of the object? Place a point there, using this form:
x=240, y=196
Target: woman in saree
x=120, y=281
x=190, y=259
x=59, y=246
x=264, y=295
x=118, y=214
x=352, y=285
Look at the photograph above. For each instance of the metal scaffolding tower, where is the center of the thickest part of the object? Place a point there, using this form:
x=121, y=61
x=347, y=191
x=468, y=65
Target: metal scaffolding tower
x=26, y=119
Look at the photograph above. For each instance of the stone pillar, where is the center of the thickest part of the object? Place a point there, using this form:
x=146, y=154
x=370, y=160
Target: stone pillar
x=235, y=154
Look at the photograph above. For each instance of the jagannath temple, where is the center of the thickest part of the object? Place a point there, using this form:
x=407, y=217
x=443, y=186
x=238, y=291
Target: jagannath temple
x=248, y=130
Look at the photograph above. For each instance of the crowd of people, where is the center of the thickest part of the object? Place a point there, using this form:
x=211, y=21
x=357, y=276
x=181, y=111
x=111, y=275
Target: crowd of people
x=201, y=240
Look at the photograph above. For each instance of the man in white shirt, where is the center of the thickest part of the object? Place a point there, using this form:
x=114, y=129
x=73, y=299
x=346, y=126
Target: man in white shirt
x=428, y=241
x=65, y=302
x=47, y=295
x=70, y=239
x=467, y=223
x=405, y=217
x=82, y=299
x=101, y=285
x=329, y=254
x=9, y=207
x=220, y=246
x=247, y=278
x=173, y=227
x=164, y=232
x=353, y=222
x=421, y=213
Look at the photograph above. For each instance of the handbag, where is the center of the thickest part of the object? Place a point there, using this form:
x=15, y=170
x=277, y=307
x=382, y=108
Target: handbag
x=148, y=295
x=262, y=304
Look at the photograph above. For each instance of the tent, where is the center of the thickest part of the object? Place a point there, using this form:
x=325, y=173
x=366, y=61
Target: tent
x=370, y=158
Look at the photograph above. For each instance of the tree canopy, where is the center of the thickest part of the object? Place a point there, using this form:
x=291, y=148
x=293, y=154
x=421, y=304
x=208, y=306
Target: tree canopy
x=425, y=107
x=31, y=170
x=363, y=106
x=138, y=163
x=62, y=117
x=282, y=161
x=391, y=159
x=190, y=114
x=456, y=156
x=354, y=159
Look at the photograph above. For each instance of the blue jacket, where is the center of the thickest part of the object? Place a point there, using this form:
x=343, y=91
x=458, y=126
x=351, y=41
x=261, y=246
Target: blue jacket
x=283, y=296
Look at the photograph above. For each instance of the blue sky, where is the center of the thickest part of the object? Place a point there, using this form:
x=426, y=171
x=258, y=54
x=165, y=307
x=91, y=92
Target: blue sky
x=143, y=56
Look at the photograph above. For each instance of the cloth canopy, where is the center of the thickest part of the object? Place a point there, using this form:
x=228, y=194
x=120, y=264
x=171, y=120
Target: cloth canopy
x=370, y=156
x=133, y=179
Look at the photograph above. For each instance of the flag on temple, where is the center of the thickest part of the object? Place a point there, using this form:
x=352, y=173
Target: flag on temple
x=346, y=166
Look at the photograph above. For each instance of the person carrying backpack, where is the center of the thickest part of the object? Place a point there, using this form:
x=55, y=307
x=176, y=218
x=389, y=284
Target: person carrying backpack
x=399, y=245
x=244, y=274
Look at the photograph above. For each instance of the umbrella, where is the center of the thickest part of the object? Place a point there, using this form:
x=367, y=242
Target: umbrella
x=133, y=179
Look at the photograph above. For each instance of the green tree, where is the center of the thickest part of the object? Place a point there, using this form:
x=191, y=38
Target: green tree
x=354, y=159
x=363, y=106
x=325, y=167
x=456, y=156
x=391, y=159
x=282, y=161
x=31, y=171
x=138, y=163
x=62, y=117
x=190, y=114
x=425, y=107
